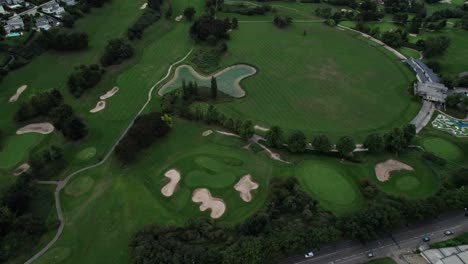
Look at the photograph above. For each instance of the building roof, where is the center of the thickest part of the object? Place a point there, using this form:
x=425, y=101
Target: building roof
x=436, y=92
x=451, y=255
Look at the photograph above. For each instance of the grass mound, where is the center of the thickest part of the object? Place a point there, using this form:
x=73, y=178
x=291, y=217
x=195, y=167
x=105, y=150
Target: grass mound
x=327, y=183
x=86, y=154
x=79, y=186
x=443, y=148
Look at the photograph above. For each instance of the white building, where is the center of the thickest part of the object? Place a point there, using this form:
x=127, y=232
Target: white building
x=53, y=8
x=15, y=23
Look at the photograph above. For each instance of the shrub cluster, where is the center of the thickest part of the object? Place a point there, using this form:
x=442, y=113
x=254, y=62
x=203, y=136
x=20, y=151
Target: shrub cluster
x=84, y=78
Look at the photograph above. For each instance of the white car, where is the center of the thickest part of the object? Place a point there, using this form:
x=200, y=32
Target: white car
x=309, y=255
x=448, y=233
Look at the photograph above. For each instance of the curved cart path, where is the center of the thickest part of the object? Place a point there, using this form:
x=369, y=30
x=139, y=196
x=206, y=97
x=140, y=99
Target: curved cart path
x=61, y=184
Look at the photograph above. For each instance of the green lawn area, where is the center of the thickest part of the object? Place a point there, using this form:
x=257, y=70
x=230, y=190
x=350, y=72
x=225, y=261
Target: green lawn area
x=103, y=207
x=330, y=84
x=410, y=52
x=331, y=183
x=455, y=58
x=443, y=148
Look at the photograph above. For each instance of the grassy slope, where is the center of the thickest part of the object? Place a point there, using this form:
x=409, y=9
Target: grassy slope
x=101, y=220
x=328, y=84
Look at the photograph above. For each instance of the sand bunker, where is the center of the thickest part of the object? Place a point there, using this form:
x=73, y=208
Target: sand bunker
x=178, y=18
x=143, y=6
x=99, y=107
x=41, y=128
x=19, y=91
x=207, y=133
x=174, y=177
x=244, y=186
x=109, y=93
x=228, y=79
x=21, y=169
x=383, y=169
x=204, y=197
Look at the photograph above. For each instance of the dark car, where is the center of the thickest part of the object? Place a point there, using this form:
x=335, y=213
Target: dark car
x=426, y=239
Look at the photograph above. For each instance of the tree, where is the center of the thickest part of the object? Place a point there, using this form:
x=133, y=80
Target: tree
x=117, y=50
x=435, y=46
x=395, y=141
x=68, y=20
x=168, y=13
x=274, y=137
x=464, y=21
x=74, y=129
x=297, y=142
x=155, y=4
x=214, y=87
x=189, y=13
x=321, y=143
x=83, y=78
x=209, y=29
x=234, y=23
x=282, y=22
x=409, y=132
x=345, y=145
x=375, y=143
x=247, y=130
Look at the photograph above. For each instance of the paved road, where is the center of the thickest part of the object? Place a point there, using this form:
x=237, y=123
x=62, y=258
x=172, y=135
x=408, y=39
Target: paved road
x=61, y=184
x=401, y=242
x=424, y=115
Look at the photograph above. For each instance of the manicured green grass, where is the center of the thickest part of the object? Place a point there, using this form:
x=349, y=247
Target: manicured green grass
x=124, y=199
x=455, y=58
x=16, y=149
x=410, y=52
x=420, y=183
x=332, y=84
x=457, y=241
x=86, y=154
x=442, y=148
x=79, y=186
x=329, y=183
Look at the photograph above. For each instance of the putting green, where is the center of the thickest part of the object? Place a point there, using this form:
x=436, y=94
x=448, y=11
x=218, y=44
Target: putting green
x=406, y=181
x=443, y=148
x=200, y=178
x=16, y=149
x=86, y=154
x=79, y=186
x=327, y=183
x=227, y=79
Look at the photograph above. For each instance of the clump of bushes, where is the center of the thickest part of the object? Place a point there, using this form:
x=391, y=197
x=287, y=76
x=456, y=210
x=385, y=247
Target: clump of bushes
x=117, y=50
x=84, y=78
x=434, y=158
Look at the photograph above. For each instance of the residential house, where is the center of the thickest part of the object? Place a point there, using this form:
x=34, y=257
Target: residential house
x=53, y=8
x=14, y=24
x=42, y=23
x=2, y=10
x=15, y=2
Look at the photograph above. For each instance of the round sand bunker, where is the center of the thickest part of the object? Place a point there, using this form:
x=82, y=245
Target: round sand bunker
x=174, y=178
x=383, y=169
x=21, y=169
x=109, y=93
x=19, y=91
x=40, y=128
x=204, y=197
x=244, y=186
x=99, y=107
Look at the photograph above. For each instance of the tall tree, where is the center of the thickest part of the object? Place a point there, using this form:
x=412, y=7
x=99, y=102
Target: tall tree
x=409, y=132
x=274, y=137
x=189, y=13
x=345, y=145
x=321, y=143
x=168, y=13
x=395, y=141
x=214, y=87
x=247, y=130
x=375, y=143
x=297, y=142
x=234, y=23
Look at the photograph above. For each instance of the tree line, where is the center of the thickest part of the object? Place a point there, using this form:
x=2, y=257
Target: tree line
x=290, y=222
x=49, y=106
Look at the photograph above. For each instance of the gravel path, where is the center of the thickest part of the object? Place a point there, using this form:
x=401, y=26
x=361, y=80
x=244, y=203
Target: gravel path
x=61, y=184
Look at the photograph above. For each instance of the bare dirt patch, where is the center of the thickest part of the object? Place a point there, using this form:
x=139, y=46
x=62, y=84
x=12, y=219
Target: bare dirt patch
x=203, y=196
x=109, y=93
x=41, y=128
x=99, y=107
x=207, y=133
x=383, y=169
x=174, y=178
x=21, y=169
x=19, y=91
x=244, y=186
